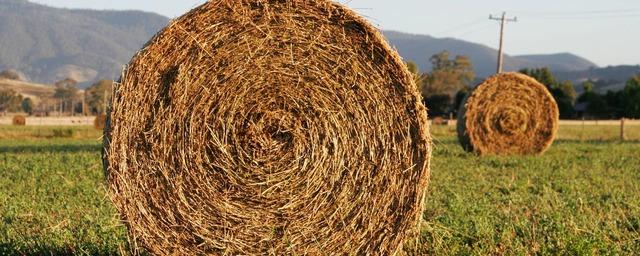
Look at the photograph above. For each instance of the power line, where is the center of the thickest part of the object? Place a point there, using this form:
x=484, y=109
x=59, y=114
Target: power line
x=586, y=17
x=461, y=26
x=601, y=12
x=582, y=15
x=471, y=31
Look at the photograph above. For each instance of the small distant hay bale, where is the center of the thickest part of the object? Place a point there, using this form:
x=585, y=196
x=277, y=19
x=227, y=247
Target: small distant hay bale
x=100, y=122
x=277, y=127
x=439, y=121
x=509, y=113
x=19, y=120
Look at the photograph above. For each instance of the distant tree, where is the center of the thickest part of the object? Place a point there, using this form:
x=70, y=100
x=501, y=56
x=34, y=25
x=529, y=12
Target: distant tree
x=27, y=106
x=67, y=93
x=9, y=100
x=615, y=103
x=631, y=97
x=46, y=105
x=66, y=88
x=563, y=93
x=588, y=86
x=447, y=78
x=464, y=68
x=596, y=104
x=413, y=68
x=565, y=96
x=568, y=91
x=441, y=61
x=597, y=107
x=415, y=71
x=97, y=94
x=543, y=75
x=10, y=74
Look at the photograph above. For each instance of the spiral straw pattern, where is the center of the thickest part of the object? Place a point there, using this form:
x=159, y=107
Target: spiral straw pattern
x=268, y=127
x=509, y=113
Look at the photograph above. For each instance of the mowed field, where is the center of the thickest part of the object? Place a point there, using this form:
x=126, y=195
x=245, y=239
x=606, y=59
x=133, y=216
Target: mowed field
x=581, y=198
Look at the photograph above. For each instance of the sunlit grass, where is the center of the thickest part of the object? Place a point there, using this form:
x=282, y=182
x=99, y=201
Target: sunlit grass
x=581, y=198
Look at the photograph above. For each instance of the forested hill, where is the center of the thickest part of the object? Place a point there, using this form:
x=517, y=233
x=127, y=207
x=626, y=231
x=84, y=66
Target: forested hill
x=49, y=44
x=419, y=48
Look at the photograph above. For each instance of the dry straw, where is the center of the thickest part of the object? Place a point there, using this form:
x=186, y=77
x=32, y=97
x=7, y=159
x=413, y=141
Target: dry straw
x=507, y=114
x=268, y=127
x=19, y=120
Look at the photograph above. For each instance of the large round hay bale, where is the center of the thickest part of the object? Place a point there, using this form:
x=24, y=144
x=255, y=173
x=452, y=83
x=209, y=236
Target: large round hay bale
x=509, y=113
x=268, y=127
x=19, y=120
x=100, y=122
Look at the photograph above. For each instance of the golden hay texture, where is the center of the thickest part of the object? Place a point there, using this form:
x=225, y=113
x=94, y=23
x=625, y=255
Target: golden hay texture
x=100, y=122
x=19, y=120
x=268, y=127
x=509, y=113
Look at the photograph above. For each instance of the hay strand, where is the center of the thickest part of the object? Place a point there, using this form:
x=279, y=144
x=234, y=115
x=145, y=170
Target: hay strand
x=509, y=113
x=268, y=127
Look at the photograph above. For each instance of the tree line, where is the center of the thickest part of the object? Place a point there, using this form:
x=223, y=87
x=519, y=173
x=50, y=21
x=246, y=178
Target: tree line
x=451, y=79
x=443, y=89
x=67, y=99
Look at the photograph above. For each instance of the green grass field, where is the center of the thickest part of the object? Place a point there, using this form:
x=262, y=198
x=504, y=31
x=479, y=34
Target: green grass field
x=581, y=198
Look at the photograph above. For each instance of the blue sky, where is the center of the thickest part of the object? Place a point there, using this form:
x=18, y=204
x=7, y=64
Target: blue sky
x=606, y=32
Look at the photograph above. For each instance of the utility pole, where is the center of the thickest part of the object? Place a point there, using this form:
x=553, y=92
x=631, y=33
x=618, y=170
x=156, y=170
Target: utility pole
x=503, y=21
x=104, y=107
x=622, y=137
x=84, y=97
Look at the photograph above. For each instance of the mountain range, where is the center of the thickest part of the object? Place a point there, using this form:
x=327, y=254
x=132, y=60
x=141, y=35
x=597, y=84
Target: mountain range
x=49, y=44
x=419, y=48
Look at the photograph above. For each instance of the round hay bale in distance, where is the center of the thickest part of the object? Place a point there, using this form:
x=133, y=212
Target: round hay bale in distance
x=100, y=122
x=268, y=127
x=19, y=120
x=439, y=121
x=509, y=113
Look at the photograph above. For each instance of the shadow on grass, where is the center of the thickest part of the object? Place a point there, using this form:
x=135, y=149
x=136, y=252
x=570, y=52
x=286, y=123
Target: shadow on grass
x=68, y=148
x=18, y=249
x=444, y=140
x=597, y=142
x=454, y=141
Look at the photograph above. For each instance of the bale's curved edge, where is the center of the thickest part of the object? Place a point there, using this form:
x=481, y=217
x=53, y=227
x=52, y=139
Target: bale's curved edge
x=461, y=126
x=354, y=132
x=509, y=113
